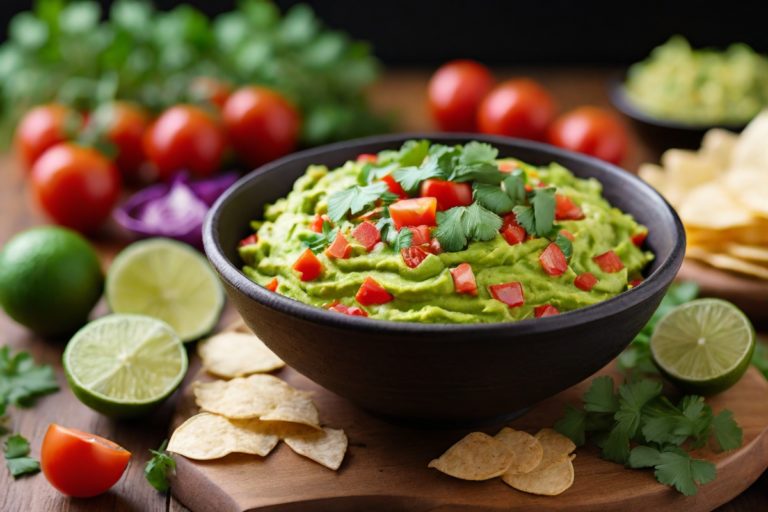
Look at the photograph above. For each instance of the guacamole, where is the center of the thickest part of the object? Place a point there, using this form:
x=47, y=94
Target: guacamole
x=452, y=234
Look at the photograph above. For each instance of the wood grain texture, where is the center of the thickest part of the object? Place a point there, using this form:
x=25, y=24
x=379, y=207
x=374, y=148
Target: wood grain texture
x=402, y=92
x=386, y=466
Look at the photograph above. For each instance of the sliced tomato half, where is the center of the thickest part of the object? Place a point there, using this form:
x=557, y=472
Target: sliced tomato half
x=585, y=281
x=371, y=293
x=308, y=266
x=464, y=279
x=510, y=294
x=413, y=256
x=447, y=193
x=553, y=260
x=367, y=234
x=340, y=247
x=417, y=211
x=566, y=209
x=545, y=310
x=609, y=262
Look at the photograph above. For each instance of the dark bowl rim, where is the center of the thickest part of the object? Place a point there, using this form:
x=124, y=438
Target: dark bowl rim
x=652, y=285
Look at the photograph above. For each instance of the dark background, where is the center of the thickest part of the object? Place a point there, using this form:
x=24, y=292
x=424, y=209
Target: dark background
x=413, y=32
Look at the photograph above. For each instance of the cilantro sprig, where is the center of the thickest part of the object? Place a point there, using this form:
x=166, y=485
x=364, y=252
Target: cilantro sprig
x=460, y=225
x=22, y=381
x=397, y=239
x=159, y=468
x=357, y=199
x=317, y=242
x=538, y=218
x=16, y=457
x=637, y=426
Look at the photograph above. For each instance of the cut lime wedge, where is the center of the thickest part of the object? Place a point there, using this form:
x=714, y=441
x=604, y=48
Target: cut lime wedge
x=124, y=365
x=169, y=281
x=704, y=346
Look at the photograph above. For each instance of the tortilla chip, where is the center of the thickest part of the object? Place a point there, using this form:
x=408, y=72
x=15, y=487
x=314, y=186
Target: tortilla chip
x=527, y=449
x=750, y=187
x=296, y=409
x=710, y=206
x=234, y=354
x=688, y=169
x=209, y=436
x=718, y=144
x=327, y=446
x=755, y=253
x=726, y=262
x=751, y=150
x=551, y=480
x=243, y=397
x=477, y=456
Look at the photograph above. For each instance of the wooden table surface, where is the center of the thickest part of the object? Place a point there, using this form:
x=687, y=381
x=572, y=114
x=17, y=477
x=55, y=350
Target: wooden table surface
x=402, y=92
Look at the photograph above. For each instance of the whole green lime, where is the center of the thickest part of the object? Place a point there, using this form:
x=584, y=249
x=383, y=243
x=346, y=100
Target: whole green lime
x=50, y=280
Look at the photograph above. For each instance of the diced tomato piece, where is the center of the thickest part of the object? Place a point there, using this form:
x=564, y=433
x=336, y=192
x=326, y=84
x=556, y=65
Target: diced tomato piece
x=434, y=246
x=414, y=212
x=317, y=223
x=346, y=310
x=249, y=240
x=635, y=282
x=509, y=219
x=609, y=262
x=566, y=209
x=371, y=214
x=413, y=256
x=567, y=234
x=507, y=166
x=545, y=310
x=447, y=193
x=340, y=247
x=371, y=293
x=585, y=281
x=464, y=279
x=421, y=235
x=639, y=238
x=528, y=187
x=308, y=266
x=367, y=234
x=512, y=232
x=394, y=186
x=510, y=294
x=553, y=260
x=272, y=285
x=367, y=158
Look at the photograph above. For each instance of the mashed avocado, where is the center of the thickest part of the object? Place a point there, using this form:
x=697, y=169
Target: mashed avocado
x=425, y=289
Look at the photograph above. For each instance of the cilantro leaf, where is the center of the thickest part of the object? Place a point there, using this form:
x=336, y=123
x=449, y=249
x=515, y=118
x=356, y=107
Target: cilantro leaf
x=644, y=457
x=412, y=152
x=525, y=217
x=514, y=186
x=401, y=239
x=16, y=451
x=22, y=381
x=478, y=152
x=565, y=245
x=632, y=398
x=488, y=173
x=573, y=425
x=411, y=177
x=355, y=200
x=616, y=445
x=317, y=242
x=480, y=224
x=543, y=202
x=493, y=198
x=727, y=432
x=682, y=472
x=16, y=446
x=600, y=396
x=450, y=230
x=159, y=467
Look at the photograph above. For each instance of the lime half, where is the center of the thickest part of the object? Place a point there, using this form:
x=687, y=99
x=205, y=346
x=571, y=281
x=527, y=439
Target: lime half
x=704, y=346
x=169, y=281
x=124, y=365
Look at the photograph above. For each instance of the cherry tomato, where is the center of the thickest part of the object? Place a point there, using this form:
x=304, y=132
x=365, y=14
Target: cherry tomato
x=80, y=464
x=210, y=90
x=609, y=262
x=510, y=294
x=367, y=234
x=371, y=292
x=76, y=186
x=272, y=285
x=553, y=260
x=413, y=256
x=593, y=131
x=517, y=108
x=455, y=92
x=585, y=281
x=185, y=137
x=124, y=125
x=545, y=310
x=340, y=247
x=464, y=279
x=262, y=125
x=308, y=266
x=414, y=212
x=42, y=128
x=447, y=193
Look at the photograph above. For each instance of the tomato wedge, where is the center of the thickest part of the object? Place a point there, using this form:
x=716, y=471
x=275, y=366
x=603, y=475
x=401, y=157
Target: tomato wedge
x=308, y=266
x=272, y=285
x=422, y=235
x=367, y=234
x=249, y=240
x=609, y=262
x=414, y=212
x=639, y=238
x=367, y=158
x=413, y=256
x=371, y=292
x=566, y=209
x=346, y=310
x=585, y=281
x=553, y=260
x=447, y=193
x=510, y=294
x=464, y=279
x=340, y=247
x=512, y=232
x=394, y=186
x=545, y=310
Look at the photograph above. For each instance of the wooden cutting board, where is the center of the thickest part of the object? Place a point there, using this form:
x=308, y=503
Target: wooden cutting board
x=386, y=466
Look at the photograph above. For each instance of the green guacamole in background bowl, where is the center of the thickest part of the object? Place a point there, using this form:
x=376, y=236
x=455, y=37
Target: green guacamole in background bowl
x=433, y=233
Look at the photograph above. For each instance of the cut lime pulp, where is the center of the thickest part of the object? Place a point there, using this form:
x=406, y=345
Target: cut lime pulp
x=169, y=281
x=124, y=365
x=704, y=346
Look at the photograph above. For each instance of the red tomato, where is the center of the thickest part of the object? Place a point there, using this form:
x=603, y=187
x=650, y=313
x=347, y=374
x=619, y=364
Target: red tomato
x=185, y=137
x=124, y=125
x=346, y=310
x=210, y=90
x=367, y=158
x=585, y=281
x=545, y=310
x=567, y=234
x=510, y=294
x=421, y=235
x=272, y=285
x=593, y=131
x=517, y=108
x=262, y=125
x=447, y=193
x=42, y=128
x=340, y=247
x=413, y=256
x=566, y=209
x=455, y=92
x=371, y=293
x=76, y=186
x=80, y=464
x=639, y=238
x=317, y=223
x=507, y=166
x=635, y=282
x=512, y=232
x=394, y=186
x=609, y=262
x=434, y=246
x=308, y=266
x=553, y=260
x=414, y=212
x=464, y=279
x=249, y=240
x=367, y=234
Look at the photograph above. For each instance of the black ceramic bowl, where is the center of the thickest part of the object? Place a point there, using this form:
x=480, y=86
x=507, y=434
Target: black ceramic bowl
x=442, y=372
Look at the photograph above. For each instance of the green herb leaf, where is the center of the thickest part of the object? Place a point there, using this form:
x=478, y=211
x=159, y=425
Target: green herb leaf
x=616, y=445
x=727, y=432
x=411, y=177
x=16, y=446
x=514, y=186
x=682, y=472
x=632, y=398
x=480, y=224
x=159, y=468
x=600, y=396
x=317, y=242
x=21, y=380
x=565, y=245
x=543, y=202
x=573, y=425
x=493, y=198
x=450, y=230
x=478, y=152
x=16, y=451
x=355, y=200
x=413, y=152
x=401, y=240
x=525, y=217
x=458, y=226
x=644, y=457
